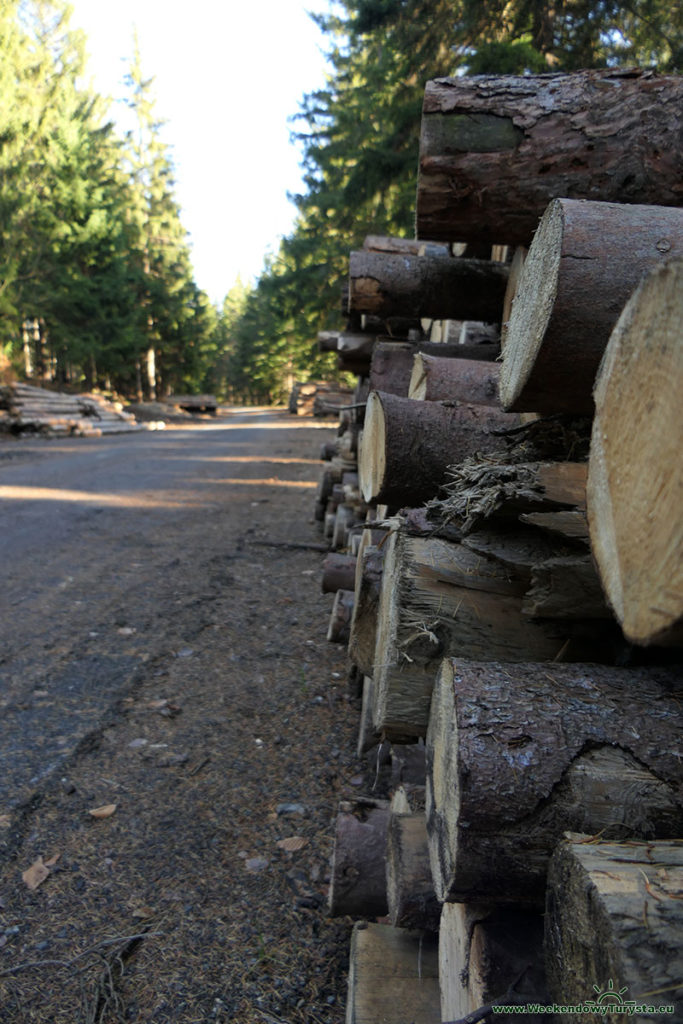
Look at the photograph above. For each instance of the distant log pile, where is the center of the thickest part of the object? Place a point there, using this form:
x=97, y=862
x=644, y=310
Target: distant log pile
x=317, y=398
x=29, y=409
x=508, y=555
x=194, y=403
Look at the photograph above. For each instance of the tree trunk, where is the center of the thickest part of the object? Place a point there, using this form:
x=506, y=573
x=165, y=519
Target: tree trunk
x=613, y=924
x=483, y=952
x=439, y=599
x=495, y=150
x=517, y=754
x=441, y=287
x=358, y=874
x=410, y=889
x=393, y=976
x=339, y=573
x=635, y=480
x=340, y=617
x=392, y=362
x=455, y=380
x=584, y=262
x=408, y=446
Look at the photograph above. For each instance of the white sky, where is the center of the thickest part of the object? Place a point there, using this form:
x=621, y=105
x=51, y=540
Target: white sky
x=227, y=76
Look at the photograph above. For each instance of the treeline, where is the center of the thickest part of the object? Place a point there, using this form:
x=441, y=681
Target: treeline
x=360, y=136
x=96, y=283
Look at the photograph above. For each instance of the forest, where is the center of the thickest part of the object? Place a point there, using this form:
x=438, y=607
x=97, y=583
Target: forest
x=96, y=279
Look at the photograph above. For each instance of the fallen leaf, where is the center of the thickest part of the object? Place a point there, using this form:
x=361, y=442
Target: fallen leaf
x=36, y=874
x=292, y=844
x=125, y=631
x=5, y=820
x=52, y=861
x=105, y=811
x=144, y=912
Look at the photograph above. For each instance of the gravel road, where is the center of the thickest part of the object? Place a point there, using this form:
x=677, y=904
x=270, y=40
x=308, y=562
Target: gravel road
x=163, y=653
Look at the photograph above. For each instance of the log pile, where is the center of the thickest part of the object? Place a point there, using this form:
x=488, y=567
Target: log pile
x=29, y=409
x=512, y=575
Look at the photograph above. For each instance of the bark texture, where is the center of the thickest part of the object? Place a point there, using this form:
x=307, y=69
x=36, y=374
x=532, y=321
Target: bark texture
x=518, y=754
x=440, y=287
x=408, y=446
x=584, y=262
x=462, y=380
x=392, y=362
x=635, y=479
x=495, y=150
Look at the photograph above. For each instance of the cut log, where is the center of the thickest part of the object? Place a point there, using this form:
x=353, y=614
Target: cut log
x=635, y=480
x=512, y=288
x=439, y=598
x=367, y=737
x=567, y=587
x=339, y=573
x=411, y=900
x=440, y=287
x=613, y=928
x=340, y=617
x=410, y=246
x=393, y=976
x=358, y=874
x=485, y=488
x=408, y=446
x=363, y=627
x=485, y=952
x=392, y=362
x=584, y=262
x=459, y=380
x=495, y=150
x=517, y=754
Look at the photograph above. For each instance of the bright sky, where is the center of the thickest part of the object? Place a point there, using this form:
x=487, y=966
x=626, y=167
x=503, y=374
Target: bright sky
x=227, y=76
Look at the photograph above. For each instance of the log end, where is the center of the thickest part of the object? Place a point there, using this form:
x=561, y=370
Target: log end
x=372, y=459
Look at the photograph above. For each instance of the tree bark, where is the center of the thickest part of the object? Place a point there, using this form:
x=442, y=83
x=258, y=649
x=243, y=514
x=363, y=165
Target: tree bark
x=439, y=599
x=408, y=446
x=517, y=754
x=495, y=150
x=441, y=287
x=392, y=362
x=635, y=480
x=409, y=246
x=483, y=952
x=456, y=380
x=614, y=922
x=393, y=976
x=340, y=617
x=411, y=900
x=567, y=587
x=339, y=573
x=584, y=262
x=358, y=874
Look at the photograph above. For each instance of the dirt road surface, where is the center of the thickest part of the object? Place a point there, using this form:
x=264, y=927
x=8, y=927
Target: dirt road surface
x=163, y=656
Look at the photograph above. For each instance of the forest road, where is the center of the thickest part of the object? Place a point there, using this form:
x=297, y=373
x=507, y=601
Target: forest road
x=164, y=656
x=108, y=549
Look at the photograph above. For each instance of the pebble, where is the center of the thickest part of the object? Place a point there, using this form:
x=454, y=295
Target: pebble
x=291, y=809
x=256, y=863
x=42, y=946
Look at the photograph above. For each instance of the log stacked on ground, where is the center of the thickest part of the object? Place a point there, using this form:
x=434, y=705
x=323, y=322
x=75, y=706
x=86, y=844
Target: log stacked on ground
x=614, y=921
x=30, y=408
x=518, y=754
x=635, y=480
x=440, y=287
x=584, y=262
x=495, y=150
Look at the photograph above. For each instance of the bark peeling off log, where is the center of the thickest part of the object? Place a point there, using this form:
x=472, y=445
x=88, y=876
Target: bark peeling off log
x=613, y=920
x=584, y=262
x=635, y=480
x=517, y=754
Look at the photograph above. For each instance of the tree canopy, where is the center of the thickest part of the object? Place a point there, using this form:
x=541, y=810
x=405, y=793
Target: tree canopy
x=96, y=281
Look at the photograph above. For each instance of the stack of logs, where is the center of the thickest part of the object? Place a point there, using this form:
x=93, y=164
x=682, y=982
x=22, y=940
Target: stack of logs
x=25, y=408
x=505, y=519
